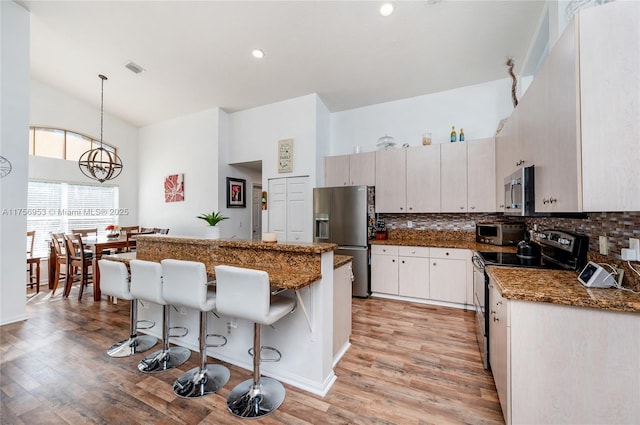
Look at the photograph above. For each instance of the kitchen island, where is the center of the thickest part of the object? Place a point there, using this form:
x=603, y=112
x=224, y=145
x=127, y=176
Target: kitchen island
x=303, y=271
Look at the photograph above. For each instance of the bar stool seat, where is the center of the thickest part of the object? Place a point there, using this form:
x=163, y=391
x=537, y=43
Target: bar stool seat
x=246, y=294
x=185, y=284
x=114, y=281
x=146, y=285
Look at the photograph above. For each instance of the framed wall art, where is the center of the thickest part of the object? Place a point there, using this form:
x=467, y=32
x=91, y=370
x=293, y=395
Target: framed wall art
x=236, y=193
x=285, y=156
x=174, y=188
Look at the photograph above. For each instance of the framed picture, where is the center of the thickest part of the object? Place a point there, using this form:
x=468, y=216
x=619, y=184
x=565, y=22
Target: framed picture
x=236, y=193
x=174, y=188
x=285, y=156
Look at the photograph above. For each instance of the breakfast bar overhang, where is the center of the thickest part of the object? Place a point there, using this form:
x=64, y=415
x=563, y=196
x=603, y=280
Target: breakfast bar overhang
x=303, y=271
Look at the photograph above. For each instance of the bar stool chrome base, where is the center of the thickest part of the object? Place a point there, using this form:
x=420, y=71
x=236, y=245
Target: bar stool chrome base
x=199, y=382
x=254, y=400
x=162, y=360
x=131, y=346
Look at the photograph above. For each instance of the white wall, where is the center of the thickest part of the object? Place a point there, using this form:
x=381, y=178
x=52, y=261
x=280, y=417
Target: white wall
x=53, y=108
x=187, y=145
x=254, y=135
x=478, y=109
x=14, y=146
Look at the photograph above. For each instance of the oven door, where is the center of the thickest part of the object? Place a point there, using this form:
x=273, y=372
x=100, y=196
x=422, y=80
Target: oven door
x=479, y=300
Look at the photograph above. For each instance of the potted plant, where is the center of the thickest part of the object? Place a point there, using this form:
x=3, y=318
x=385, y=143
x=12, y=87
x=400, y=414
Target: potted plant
x=213, y=231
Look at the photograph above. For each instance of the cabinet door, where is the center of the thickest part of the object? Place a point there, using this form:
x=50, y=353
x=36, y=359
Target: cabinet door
x=505, y=156
x=336, y=170
x=341, y=306
x=557, y=187
x=423, y=179
x=298, y=210
x=391, y=181
x=362, y=169
x=384, y=274
x=610, y=106
x=499, y=348
x=448, y=280
x=481, y=175
x=413, y=277
x=453, y=172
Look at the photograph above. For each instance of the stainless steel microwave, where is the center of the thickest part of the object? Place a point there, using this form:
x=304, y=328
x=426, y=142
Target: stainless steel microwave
x=519, y=193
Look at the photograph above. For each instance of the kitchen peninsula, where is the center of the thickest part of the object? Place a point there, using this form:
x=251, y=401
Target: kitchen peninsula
x=305, y=337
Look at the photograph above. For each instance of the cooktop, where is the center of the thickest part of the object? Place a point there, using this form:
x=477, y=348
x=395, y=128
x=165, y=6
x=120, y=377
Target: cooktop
x=512, y=260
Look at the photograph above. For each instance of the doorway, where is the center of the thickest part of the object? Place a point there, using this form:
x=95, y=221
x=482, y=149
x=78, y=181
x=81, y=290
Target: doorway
x=256, y=212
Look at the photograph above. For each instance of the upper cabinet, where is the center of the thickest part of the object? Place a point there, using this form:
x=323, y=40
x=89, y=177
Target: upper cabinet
x=423, y=179
x=453, y=171
x=610, y=106
x=481, y=173
x=391, y=181
x=350, y=170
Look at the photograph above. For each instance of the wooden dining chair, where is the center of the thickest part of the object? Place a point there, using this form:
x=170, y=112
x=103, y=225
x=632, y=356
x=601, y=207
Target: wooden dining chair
x=85, y=232
x=33, y=263
x=79, y=262
x=58, y=242
x=131, y=242
x=161, y=231
x=147, y=229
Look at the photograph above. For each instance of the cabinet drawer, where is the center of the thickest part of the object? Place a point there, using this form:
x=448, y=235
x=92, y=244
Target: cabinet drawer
x=450, y=253
x=413, y=251
x=384, y=249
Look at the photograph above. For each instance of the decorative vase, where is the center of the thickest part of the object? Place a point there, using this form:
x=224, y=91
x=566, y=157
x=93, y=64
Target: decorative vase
x=212, y=232
x=113, y=234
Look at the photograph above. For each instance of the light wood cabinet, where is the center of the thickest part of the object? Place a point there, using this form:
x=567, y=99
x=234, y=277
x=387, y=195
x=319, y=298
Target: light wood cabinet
x=336, y=170
x=350, y=170
x=506, y=154
x=423, y=179
x=453, y=172
x=413, y=272
x=610, y=106
x=539, y=351
x=448, y=275
x=391, y=181
x=384, y=269
x=556, y=141
x=342, y=285
x=499, y=358
x=481, y=172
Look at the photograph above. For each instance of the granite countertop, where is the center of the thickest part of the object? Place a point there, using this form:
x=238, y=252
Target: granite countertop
x=277, y=277
x=559, y=287
x=303, y=247
x=445, y=243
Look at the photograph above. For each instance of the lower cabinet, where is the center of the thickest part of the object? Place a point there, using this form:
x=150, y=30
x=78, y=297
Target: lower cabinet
x=448, y=273
x=421, y=272
x=555, y=363
x=342, y=281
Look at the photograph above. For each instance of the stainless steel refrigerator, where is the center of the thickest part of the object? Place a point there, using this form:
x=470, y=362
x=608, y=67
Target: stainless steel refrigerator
x=345, y=216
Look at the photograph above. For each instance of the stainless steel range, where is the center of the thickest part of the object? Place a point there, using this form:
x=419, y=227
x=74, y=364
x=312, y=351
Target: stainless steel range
x=560, y=249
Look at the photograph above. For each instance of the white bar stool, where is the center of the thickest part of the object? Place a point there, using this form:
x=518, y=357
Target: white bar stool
x=246, y=294
x=114, y=282
x=185, y=284
x=146, y=285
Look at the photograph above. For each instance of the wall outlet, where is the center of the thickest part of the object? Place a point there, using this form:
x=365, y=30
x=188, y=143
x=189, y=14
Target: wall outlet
x=635, y=245
x=628, y=254
x=604, y=248
x=410, y=224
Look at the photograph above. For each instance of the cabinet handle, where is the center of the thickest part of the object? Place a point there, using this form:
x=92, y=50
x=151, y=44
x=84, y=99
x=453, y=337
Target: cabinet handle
x=552, y=200
x=473, y=207
x=413, y=252
x=495, y=319
x=519, y=163
x=410, y=208
x=499, y=302
x=401, y=208
x=402, y=261
x=434, y=264
x=493, y=312
x=501, y=205
x=446, y=253
x=393, y=261
x=461, y=208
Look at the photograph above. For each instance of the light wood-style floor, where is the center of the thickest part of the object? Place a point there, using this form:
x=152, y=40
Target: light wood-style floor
x=408, y=364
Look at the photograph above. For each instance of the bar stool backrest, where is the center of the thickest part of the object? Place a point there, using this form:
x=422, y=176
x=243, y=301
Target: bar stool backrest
x=114, y=279
x=243, y=293
x=57, y=239
x=185, y=284
x=146, y=281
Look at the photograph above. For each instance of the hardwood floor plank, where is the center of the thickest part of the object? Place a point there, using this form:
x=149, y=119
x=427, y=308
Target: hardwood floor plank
x=409, y=364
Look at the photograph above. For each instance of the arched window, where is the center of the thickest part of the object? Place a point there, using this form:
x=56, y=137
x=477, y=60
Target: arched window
x=61, y=144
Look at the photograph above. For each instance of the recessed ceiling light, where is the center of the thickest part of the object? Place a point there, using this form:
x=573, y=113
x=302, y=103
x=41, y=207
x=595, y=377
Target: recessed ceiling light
x=258, y=53
x=387, y=9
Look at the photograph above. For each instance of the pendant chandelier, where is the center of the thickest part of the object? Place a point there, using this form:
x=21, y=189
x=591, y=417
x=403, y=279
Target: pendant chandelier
x=100, y=164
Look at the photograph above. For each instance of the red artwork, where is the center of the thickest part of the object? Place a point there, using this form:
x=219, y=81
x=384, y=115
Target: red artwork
x=174, y=188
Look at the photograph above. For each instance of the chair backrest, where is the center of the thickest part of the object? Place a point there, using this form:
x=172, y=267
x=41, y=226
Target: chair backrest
x=85, y=232
x=114, y=279
x=161, y=231
x=243, y=293
x=31, y=237
x=129, y=229
x=184, y=283
x=57, y=239
x=146, y=229
x=74, y=246
x=146, y=281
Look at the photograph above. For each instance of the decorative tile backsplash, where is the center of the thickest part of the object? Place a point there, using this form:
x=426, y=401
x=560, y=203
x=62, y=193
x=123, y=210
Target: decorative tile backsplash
x=618, y=227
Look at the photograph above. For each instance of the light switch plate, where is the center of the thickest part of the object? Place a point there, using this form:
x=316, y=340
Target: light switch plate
x=604, y=249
